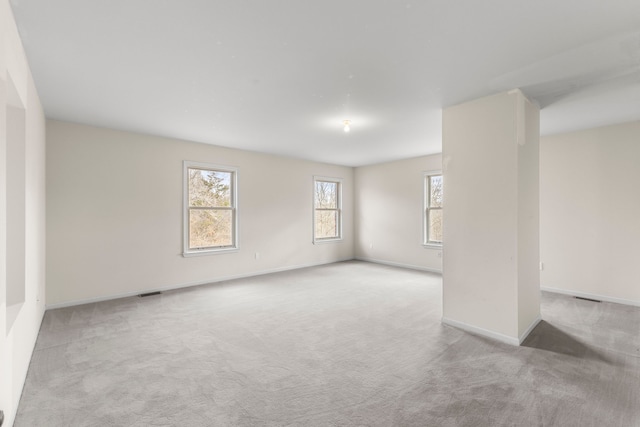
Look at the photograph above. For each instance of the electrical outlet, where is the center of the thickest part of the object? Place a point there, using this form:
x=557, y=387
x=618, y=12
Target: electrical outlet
x=541, y=266
x=257, y=255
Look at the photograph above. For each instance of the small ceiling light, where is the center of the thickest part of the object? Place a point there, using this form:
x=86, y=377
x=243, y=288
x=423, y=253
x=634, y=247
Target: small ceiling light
x=347, y=125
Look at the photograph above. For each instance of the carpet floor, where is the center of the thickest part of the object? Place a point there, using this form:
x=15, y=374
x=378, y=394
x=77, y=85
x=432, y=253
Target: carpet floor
x=346, y=344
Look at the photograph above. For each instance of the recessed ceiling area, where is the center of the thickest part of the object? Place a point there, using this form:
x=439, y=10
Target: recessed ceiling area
x=281, y=77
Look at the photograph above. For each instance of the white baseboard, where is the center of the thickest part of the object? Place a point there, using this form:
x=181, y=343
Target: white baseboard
x=185, y=285
x=491, y=334
x=605, y=298
x=531, y=327
x=398, y=264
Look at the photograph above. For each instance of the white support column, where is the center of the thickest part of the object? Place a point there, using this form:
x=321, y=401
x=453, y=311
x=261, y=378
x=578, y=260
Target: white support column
x=491, y=228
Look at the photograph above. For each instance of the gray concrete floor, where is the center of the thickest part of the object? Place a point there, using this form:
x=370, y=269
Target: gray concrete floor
x=347, y=344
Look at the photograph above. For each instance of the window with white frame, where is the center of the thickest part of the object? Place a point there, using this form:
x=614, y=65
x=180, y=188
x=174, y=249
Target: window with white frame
x=210, y=208
x=433, y=208
x=327, y=209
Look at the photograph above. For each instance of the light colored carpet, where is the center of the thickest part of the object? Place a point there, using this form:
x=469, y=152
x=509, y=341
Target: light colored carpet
x=347, y=344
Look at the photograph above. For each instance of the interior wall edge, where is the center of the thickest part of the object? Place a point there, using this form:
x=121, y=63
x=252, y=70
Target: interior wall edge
x=18, y=336
x=23, y=378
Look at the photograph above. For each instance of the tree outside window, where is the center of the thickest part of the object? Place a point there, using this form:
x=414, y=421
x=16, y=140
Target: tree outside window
x=327, y=209
x=211, y=208
x=433, y=209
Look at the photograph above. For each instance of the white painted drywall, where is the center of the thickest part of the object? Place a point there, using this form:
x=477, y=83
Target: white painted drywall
x=114, y=219
x=389, y=212
x=590, y=212
x=484, y=227
x=22, y=116
x=528, y=216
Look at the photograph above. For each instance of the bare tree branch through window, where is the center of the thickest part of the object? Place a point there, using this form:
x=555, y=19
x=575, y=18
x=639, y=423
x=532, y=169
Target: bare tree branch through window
x=327, y=210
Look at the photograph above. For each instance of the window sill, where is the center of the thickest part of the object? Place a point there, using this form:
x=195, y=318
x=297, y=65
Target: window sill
x=432, y=246
x=204, y=252
x=320, y=242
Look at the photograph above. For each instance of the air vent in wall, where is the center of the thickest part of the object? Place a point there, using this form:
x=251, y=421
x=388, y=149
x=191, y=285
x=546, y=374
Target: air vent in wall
x=148, y=294
x=588, y=299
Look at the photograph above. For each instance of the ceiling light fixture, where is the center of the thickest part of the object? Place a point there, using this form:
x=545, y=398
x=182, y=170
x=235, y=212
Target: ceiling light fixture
x=347, y=125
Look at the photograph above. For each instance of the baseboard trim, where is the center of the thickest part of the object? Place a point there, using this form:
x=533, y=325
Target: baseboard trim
x=399, y=264
x=530, y=329
x=591, y=296
x=186, y=285
x=481, y=331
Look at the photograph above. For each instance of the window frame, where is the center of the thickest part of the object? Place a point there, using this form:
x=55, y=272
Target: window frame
x=426, y=208
x=234, y=247
x=338, y=209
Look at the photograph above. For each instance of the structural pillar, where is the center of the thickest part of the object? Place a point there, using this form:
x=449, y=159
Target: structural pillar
x=491, y=276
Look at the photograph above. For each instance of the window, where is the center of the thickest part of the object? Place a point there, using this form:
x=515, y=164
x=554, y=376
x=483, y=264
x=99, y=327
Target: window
x=327, y=209
x=210, y=209
x=433, y=208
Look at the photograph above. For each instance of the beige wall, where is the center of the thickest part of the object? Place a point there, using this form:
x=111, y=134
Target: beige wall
x=389, y=209
x=490, y=223
x=115, y=214
x=22, y=214
x=528, y=217
x=590, y=213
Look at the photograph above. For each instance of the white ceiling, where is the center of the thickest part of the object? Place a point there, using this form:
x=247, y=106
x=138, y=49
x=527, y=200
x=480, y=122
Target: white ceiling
x=280, y=76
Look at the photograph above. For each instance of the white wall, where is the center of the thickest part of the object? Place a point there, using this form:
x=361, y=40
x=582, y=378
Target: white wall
x=590, y=212
x=389, y=209
x=490, y=223
x=528, y=217
x=22, y=214
x=114, y=219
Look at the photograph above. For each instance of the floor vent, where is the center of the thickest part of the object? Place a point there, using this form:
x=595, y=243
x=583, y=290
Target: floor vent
x=148, y=294
x=588, y=299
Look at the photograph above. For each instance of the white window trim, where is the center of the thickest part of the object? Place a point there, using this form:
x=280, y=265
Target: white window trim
x=186, y=252
x=425, y=201
x=313, y=207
